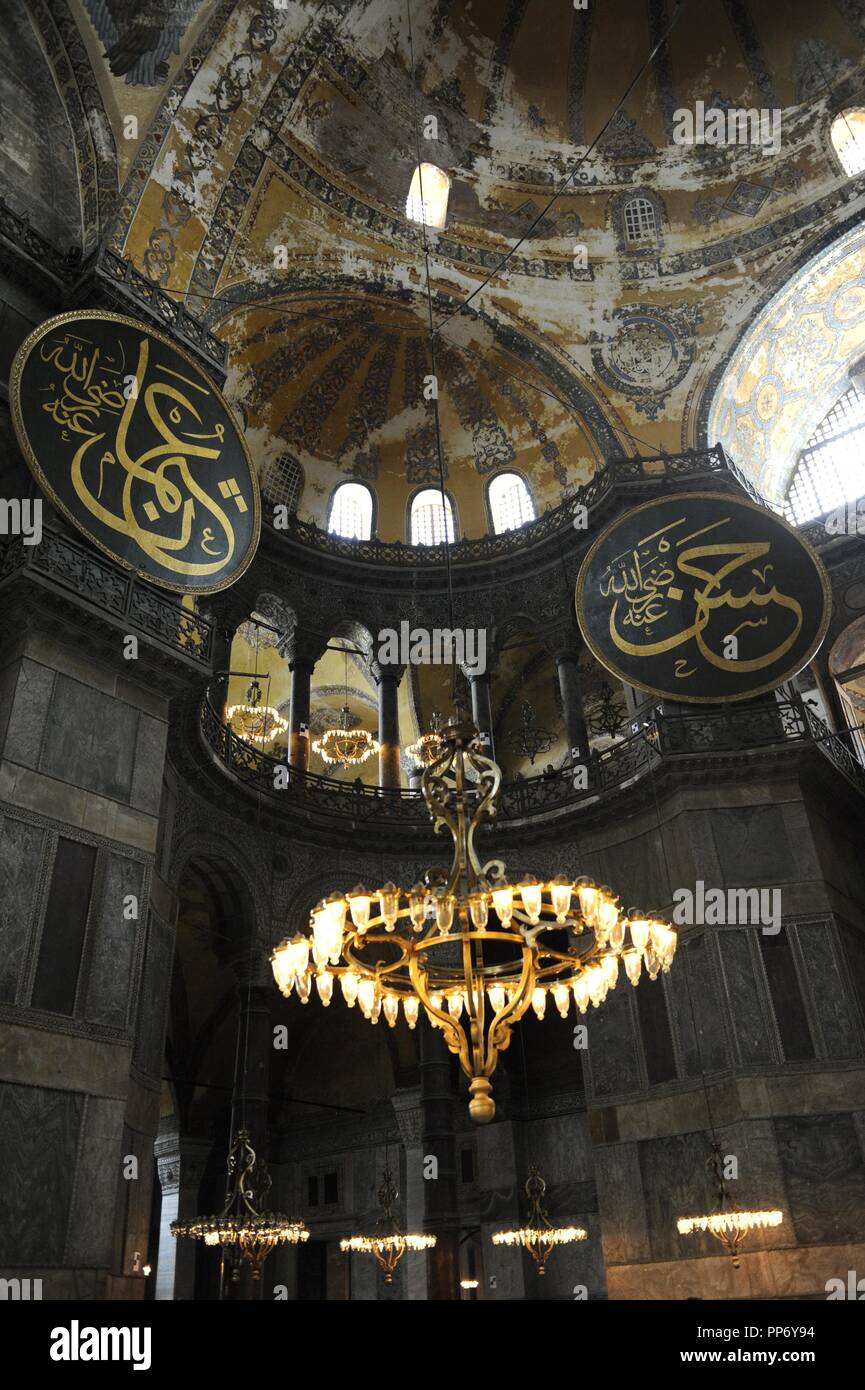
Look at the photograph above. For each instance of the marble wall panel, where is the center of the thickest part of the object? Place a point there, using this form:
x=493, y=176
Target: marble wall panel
x=21, y=847
x=830, y=996
x=113, y=940
x=752, y=845
x=747, y=1001
x=823, y=1168
x=90, y=740
x=39, y=1131
x=611, y=1060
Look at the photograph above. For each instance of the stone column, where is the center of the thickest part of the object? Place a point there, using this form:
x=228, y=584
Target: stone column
x=388, y=678
x=226, y=613
x=441, y=1209
x=298, y=727
x=180, y=1163
x=572, y=704
x=410, y=1117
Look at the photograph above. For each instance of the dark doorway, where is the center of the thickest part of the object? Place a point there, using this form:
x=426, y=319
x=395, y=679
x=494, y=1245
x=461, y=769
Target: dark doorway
x=312, y=1270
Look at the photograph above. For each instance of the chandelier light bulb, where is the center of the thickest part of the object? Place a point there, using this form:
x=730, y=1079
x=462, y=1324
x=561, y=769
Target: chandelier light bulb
x=497, y=997
x=561, y=998
x=633, y=963
x=348, y=983
x=375, y=1012
x=663, y=943
x=531, y=893
x=610, y=967
x=417, y=902
x=479, y=910
x=503, y=902
x=617, y=934
x=581, y=993
x=324, y=985
x=639, y=928
x=359, y=903
x=444, y=905
x=390, y=1008
x=366, y=992
x=303, y=986
x=539, y=1001
x=411, y=1009
x=455, y=1004
x=587, y=894
x=560, y=895
x=388, y=901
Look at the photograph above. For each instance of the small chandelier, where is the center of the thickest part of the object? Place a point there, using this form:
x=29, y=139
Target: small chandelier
x=343, y=744
x=389, y=1244
x=540, y=1237
x=255, y=722
x=428, y=747
x=727, y=1225
x=476, y=950
x=243, y=1224
x=530, y=738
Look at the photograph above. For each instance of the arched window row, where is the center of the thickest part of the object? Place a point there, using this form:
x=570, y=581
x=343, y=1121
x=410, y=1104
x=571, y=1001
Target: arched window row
x=830, y=471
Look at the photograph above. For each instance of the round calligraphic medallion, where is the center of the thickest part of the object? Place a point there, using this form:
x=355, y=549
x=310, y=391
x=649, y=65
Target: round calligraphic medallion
x=139, y=450
x=702, y=597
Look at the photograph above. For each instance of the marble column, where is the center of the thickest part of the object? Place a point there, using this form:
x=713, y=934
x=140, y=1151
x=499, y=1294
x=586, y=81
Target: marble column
x=298, y=726
x=388, y=678
x=180, y=1163
x=572, y=704
x=249, y=1102
x=441, y=1208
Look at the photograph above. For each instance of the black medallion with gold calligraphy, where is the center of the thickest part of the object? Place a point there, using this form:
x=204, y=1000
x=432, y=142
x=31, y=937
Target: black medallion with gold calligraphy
x=702, y=597
x=138, y=449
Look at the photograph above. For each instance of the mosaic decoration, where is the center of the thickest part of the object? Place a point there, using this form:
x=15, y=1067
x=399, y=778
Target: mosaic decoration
x=790, y=366
x=650, y=352
x=140, y=39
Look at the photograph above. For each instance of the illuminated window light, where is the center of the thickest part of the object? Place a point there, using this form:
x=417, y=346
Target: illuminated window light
x=427, y=201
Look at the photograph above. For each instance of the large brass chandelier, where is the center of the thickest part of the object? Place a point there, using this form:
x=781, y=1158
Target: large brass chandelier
x=473, y=948
x=243, y=1225
x=343, y=744
x=254, y=721
x=389, y=1243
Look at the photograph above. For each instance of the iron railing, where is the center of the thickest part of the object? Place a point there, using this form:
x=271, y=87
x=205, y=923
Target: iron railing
x=660, y=737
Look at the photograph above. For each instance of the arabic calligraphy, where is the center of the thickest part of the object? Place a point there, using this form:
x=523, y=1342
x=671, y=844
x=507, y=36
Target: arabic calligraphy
x=683, y=588
x=154, y=469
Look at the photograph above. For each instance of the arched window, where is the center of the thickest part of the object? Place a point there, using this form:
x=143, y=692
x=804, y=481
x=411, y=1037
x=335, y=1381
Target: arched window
x=351, y=512
x=848, y=138
x=830, y=471
x=429, y=519
x=510, y=502
x=427, y=200
x=639, y=219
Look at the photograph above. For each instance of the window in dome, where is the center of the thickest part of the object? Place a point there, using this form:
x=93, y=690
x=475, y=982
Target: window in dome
x=430, y=520
x=830, y=469
x=427, y=201
x=351, y=512
x=639, y=217
x=848, y=139
x=510, y=503
x=282, y=482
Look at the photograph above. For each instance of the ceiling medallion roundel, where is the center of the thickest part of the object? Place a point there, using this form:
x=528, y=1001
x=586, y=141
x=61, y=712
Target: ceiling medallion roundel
x=702, y=597
x=650, y=352
x=138, y=449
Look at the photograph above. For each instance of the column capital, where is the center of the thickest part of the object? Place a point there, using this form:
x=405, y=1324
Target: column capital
x=302, y=648
x=385, y=671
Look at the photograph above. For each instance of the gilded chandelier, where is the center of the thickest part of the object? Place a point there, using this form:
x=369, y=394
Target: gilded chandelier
x=727, y=1224
x=243, y=1224
x=471, y=947
x=253, y=721
x=389, y=1243
x=539, y=1236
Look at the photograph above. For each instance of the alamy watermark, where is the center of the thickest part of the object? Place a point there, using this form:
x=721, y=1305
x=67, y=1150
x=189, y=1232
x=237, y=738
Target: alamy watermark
x=718, y=125
x=728, y=907
x=21, y=518
x=437, y=646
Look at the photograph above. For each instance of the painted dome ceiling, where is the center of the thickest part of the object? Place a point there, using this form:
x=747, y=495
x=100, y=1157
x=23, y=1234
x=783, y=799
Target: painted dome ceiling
x=263, y=157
